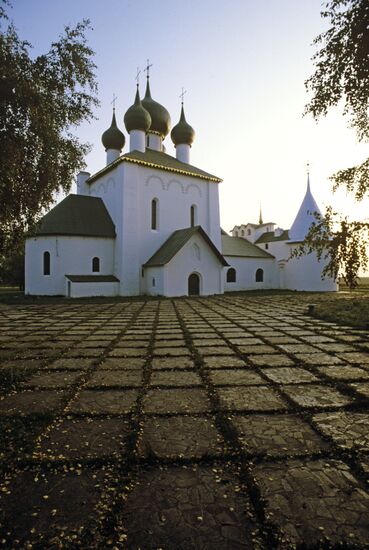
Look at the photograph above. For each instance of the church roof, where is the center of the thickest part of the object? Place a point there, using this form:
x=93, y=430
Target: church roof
x=238, y=246
x=270, y=237
x=159, y=160
x=174, y=244
x=77, y=215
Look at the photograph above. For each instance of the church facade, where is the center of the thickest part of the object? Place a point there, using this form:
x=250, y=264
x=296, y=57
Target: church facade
x=148, y=224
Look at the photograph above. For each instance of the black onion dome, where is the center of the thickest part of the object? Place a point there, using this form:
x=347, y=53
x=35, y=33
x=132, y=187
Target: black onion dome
x=182, y=132
x=137, y=117
x=160, y=118
x=113, y=138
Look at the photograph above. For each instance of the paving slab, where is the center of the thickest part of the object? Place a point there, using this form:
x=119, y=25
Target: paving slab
x=197, y=507
x=176, y=400
x=180, y=437
x=311, y=501
x=277, y=435
x=348, y=429
x=104, y=402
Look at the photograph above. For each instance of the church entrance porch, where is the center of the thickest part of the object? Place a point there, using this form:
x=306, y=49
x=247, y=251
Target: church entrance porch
x=194, y=285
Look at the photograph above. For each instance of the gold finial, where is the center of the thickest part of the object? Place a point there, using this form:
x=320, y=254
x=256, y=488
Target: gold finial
x=182, y=94
x=147, y=69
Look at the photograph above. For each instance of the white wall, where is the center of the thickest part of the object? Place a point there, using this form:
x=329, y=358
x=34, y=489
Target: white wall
x=154, y=278
x=194, y=257
x=305, y=274
x=68, y=255
x=246, y=270
x=83, y=290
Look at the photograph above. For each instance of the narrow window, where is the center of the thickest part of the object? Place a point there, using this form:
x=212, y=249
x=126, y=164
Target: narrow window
x=193, y=215
x=147, y=141
x=142, y=272
x=259, y=276
x=242, y=233
x=95, y=265
x=266, y=246
x=249, y=231
x=236, y=233
x=153, y=281
x=154, y=214
x=231, y=275
x=46, y=263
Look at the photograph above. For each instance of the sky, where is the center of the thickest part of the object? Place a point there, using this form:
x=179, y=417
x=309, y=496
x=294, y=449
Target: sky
x=243, y=64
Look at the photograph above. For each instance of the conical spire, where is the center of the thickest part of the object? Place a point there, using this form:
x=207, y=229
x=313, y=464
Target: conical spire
x=305, y=216
x=260, y=217
x=113, y=138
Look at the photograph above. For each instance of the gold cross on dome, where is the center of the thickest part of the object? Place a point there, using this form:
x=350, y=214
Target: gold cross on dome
x=147, y=69
x=138, y=76
x=114, y=101
x=182, y=94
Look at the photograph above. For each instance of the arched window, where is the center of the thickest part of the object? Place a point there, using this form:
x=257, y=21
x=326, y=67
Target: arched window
x=154, y=214
x=95, y=265
x=259, y=276
x=236, y=233
x=193, y=215
x=47, y=263
x=231, y=275
x=242, y=233
x=249, y=231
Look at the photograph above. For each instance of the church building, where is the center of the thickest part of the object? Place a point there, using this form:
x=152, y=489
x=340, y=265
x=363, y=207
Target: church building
x=148, y=224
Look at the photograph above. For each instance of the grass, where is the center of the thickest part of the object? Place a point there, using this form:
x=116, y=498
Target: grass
x=345, y=308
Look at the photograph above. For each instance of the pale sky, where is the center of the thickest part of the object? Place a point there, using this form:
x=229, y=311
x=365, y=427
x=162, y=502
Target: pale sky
x=243, y=64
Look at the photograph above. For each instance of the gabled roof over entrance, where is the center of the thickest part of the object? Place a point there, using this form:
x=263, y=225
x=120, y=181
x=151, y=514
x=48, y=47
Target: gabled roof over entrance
x=159, y=160
x=77, y=215
x=241, y=247
x=176, y=241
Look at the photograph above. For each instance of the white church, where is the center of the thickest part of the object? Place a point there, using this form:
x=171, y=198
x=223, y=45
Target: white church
x=148, y=224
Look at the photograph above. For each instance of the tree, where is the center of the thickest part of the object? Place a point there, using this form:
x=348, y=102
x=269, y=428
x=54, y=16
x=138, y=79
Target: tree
x=42, y=99
x=342, y=77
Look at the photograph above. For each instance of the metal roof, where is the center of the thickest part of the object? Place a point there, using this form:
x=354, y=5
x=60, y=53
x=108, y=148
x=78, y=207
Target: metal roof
x=159, y=160
x=270, y=237
x=77, y=215
x=92, y=278
x=174, y=244
x=238, y=246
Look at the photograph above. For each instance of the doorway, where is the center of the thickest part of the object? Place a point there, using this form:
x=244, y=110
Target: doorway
x=194, y=285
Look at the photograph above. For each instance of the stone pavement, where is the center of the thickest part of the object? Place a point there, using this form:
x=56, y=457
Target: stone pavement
x=230, y=422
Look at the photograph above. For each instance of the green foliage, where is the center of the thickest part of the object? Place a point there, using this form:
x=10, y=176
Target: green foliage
x=342, y=242
x=342, y=77
x=42, y=99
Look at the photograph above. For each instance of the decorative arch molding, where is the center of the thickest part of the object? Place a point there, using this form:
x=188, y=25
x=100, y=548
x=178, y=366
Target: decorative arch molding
x=194, y=186
x=103, y=188
x=196, y=252
x=151, y=180
x=172, y=183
